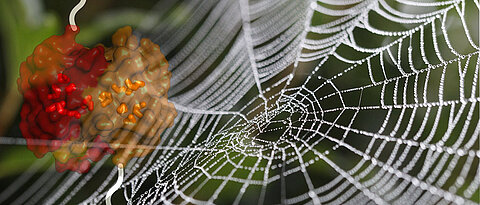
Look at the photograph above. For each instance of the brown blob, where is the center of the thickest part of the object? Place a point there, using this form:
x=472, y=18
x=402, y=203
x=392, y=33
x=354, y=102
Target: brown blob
x=137, y=79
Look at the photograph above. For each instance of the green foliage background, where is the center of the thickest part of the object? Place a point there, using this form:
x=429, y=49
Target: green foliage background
x=25, y=23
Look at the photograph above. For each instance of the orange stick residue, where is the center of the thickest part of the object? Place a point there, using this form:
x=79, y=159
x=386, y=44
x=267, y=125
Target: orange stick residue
x=136, y=109
x=118, y=89
x=105, y=98
x=122, y=108
x=130, y=119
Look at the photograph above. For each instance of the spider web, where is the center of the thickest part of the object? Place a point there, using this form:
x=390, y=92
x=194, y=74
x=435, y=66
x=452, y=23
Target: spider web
x=329, y=101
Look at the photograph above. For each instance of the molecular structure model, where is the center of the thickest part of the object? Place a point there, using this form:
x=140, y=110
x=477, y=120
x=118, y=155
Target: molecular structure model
x=81, y=104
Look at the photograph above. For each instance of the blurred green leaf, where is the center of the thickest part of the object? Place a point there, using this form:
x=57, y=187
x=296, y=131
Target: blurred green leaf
x=107, y=24
x=20, y=33
x=18, y=159
x=20, y=36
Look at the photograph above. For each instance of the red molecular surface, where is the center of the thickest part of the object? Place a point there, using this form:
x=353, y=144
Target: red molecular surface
x=52, y=81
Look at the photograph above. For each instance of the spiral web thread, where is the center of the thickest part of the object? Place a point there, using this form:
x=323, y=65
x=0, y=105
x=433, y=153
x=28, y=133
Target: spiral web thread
x=332, y=102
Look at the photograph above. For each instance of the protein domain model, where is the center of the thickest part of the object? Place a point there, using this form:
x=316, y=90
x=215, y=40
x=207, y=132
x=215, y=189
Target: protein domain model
x=81, y=104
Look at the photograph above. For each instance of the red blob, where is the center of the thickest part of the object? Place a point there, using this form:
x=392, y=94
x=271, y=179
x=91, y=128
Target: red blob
x=52, y=80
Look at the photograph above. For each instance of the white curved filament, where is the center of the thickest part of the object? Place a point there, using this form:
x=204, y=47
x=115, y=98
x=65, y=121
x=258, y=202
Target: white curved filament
x=115, y=186
x=74, y=12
